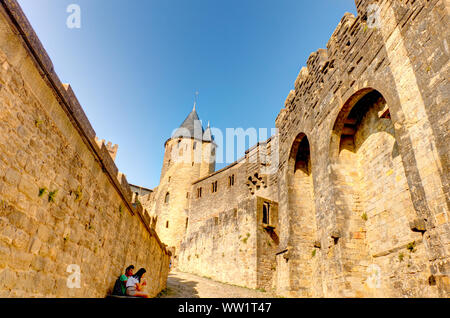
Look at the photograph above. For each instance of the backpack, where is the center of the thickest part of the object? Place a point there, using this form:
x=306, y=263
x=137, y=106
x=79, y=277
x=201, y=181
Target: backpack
x=118, y=288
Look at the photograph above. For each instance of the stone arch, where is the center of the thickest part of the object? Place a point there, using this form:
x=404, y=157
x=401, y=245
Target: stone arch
x=302, y=219
x=371, y=196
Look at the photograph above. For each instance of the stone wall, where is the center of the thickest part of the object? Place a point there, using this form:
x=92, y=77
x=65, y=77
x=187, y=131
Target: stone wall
x=374, y=109
x=225, y=238
x=224, y=247
x=249, y=179
x=62, y=199
x=267, y=241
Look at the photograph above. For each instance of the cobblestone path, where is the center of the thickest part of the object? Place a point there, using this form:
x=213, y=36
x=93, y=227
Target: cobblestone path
x=183, y=285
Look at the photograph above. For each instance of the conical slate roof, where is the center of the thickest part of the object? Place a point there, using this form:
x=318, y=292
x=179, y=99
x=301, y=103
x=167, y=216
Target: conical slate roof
x=207, y=135
x=191, y=127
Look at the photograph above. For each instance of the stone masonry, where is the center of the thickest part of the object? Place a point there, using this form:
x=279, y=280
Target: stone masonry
x=360, y=198
x=62, y=200
x=370, y=117
x=349, y=199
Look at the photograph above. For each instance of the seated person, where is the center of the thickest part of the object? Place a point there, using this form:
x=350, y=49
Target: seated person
x=120, y=285
x=124, y=278
x=135, y=286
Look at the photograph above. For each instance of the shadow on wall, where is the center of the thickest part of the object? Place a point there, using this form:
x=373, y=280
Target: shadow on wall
x=179, y=288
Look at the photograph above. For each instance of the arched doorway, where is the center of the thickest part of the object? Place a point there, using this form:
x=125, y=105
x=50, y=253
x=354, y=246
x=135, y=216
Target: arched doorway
x=372, y=198
x=302, y=220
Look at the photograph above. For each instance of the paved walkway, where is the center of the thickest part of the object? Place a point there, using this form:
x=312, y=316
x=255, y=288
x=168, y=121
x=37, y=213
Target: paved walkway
x=183, y=285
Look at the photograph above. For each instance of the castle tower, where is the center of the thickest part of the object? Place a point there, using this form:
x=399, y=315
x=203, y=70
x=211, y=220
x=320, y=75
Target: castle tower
x=189, y=155
x=208, y=164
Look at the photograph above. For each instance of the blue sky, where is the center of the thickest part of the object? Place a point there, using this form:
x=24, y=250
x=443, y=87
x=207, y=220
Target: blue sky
x=136, y=65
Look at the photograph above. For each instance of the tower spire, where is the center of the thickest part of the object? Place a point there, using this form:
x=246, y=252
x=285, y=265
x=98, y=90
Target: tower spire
x=195, y=101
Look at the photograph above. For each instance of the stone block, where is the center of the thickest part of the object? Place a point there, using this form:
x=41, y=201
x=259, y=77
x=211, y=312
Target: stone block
x=8, y=279
x=12, y=177
x=35, y=246
x=28, y=187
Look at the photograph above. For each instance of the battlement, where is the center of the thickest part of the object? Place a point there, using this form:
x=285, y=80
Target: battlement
x=112, y=149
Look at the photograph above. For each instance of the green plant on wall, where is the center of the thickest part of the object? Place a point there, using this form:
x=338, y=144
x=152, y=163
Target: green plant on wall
x=120, y=209
x=244, y=240
x=38, y=123
x=313, y=253
x=52, y=195
x=411, y=246
x=401, y=256
x=78, y=194
x=364, y=216
x=365, y=28
x=42, y=191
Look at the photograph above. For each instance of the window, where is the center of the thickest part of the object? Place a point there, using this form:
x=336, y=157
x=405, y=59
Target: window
x=266, y=213
x=199, y=192
x=166, y=199
x=187, y=195
x=169, y=179
x=167, y=224
x=195, y=145
x=214, y=187
x=213, y=152
x=187, y=222
x=231, y=180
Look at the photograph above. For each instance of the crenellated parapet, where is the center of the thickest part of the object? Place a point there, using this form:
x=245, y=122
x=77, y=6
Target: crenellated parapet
x=112, y=149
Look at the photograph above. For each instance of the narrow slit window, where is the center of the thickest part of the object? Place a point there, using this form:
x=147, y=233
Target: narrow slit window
x=166, y=199
x=231, y=180
x=266, y=213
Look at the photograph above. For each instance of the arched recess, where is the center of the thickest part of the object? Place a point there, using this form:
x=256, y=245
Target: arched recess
x=371, y=196
x=302, y=220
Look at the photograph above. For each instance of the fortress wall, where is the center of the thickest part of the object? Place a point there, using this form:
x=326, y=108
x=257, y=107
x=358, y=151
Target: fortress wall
x=211, y=204
x=217, y=242
x=62, y=199
x=405, y=59
x=267, y=244
x=249, y=180
x=224, y=247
